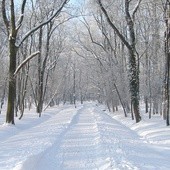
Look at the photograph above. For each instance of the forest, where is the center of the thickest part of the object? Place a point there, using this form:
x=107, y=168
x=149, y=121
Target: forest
x=115, y=52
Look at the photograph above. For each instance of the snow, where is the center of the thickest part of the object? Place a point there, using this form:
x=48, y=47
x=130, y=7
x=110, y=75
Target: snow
x=83, y=138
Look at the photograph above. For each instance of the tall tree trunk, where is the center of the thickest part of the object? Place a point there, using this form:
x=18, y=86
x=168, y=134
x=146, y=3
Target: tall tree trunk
x=12, y=82
x=133, y=63
x=131, y=46
x=168, y=98
x=42, y=85
x=12, y=28
x=12, y=34
x=40, y=77
x=120, y=99
x=74, y=84
x=134, y=85
x=167, y=54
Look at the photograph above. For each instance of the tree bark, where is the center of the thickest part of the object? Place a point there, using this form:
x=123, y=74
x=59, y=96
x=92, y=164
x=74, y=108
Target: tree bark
x=123, y=106
x=12, y=34
x=12, y=82
x=12, y=28
x=167, y=64
x=133, y=62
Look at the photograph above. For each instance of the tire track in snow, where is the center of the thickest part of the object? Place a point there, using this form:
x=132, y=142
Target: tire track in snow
x=77, y=147
x=112, y=150
x=35, y=140
x=92, y=140
x=81, y=145
x=26, y=123
x=33, y=162
x=124, y=149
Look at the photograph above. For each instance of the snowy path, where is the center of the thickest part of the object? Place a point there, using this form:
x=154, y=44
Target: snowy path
x=81, y=139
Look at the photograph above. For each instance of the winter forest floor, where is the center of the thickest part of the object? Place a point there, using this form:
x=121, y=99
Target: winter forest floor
x=84, y=138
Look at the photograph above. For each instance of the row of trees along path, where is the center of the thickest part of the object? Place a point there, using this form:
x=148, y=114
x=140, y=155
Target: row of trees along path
x=16, y=37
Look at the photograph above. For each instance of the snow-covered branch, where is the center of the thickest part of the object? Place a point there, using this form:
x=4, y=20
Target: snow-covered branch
x=42, y=24
x=113, y=25
x=4, y=15
x=19, y=22
x=90, y=34
x=25, y=61
x=136, y=9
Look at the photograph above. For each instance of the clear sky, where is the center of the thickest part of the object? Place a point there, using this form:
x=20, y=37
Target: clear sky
x=75, y=1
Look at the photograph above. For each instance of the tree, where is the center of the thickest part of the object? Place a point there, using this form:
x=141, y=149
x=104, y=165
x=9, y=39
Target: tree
x=12, y=29
x=133, y=55
x=167, y=54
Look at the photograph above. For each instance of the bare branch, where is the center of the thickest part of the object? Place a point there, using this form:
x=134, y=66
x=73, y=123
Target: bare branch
x=136, y=9
x=5, y=19
x=42, y=24
x=19, y=22
x=90, y=34
x=61, y=24
x=12, y=21
x=113, y=26
x=103, y=31
x=25, y=61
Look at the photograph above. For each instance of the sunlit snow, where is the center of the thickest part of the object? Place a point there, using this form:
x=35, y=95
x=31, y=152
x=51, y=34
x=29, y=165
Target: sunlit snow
x=83, y=138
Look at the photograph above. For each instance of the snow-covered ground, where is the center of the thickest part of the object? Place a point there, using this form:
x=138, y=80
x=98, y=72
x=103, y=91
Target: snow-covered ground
x=83, y=138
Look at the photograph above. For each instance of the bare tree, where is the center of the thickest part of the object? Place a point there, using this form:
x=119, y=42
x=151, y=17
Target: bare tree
x=133, y=55
x=167, y=53
x=12, y=29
